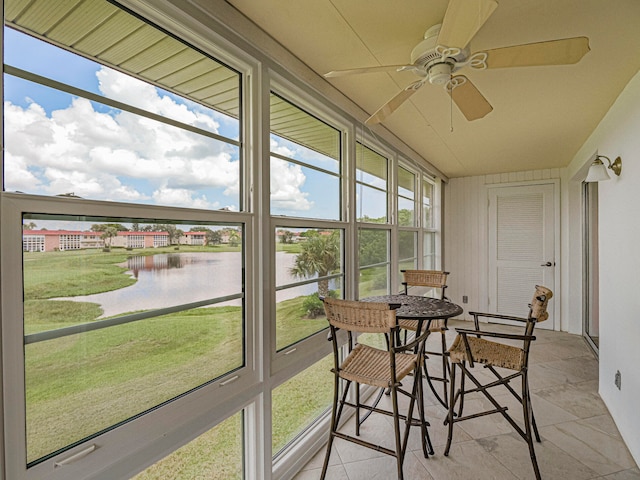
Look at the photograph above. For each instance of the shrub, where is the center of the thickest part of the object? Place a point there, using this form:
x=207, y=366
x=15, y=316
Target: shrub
x=313, y=306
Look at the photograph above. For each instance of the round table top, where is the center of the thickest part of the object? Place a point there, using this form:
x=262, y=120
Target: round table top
x=415, y=307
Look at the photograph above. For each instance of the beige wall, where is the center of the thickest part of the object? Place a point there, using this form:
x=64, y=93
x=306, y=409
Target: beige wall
x=619, y=264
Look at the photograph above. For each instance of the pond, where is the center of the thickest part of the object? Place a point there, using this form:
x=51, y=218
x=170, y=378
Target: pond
x=170, y=279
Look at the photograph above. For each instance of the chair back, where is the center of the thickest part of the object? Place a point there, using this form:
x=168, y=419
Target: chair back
x=538, y=307
x=425, y=278
x=365, y=317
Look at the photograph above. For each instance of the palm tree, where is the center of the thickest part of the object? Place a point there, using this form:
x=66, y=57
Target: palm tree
x=320, y=255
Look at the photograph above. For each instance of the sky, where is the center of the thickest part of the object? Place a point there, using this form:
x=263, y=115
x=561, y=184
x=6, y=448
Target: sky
x=56, y=143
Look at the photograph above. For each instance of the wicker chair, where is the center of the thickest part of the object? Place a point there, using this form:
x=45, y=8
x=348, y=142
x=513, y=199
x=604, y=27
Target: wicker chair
x=367, y=365
x=470, y=348
x=432, y=279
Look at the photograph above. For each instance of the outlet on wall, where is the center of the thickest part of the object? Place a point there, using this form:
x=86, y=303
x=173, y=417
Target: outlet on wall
x=465, y=299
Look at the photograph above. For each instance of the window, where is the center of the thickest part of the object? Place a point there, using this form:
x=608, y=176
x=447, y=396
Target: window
x=215, y=455
x=406, y=198
x=308, y=266
x=117, y=316
x=115, y=330
x=371, y=185
x=166, y=133
x=428, y=224
x=373, y=255
x=305, y=164
x=298, y=402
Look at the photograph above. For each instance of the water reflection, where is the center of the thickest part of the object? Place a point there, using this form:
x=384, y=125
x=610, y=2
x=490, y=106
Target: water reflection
x=170, y=279
x=156, y=262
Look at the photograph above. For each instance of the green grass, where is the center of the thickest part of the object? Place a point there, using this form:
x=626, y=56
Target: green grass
x=80, y=384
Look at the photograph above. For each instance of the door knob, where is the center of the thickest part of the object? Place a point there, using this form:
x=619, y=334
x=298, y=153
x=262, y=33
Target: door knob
x=548, y=264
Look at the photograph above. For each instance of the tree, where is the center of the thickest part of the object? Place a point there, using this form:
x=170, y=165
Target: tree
x=102, y=227
x=214, y=237
x=29, y=226
x=107, y=234
x=234, y=238
x=286, y=236
x=320, y=255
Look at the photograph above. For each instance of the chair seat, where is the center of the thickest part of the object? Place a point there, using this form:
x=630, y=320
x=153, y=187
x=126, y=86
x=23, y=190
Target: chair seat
x=436, y=325
x=370, y=366
x=487, y=352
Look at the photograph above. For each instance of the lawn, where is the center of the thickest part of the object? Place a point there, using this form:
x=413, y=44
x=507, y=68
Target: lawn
x=81, y=384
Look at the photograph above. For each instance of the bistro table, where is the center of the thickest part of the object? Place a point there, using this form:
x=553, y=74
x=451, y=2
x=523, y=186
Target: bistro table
x=421, y=309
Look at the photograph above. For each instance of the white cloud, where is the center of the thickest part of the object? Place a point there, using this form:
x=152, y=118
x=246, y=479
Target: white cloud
x=120, y=156
x=286, y=182
x=124, y=157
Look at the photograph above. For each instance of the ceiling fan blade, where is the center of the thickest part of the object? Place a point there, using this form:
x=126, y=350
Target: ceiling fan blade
x=352, y=71
x=462, y=21
x=391, y=106
x=553, y=52
x=469, y=100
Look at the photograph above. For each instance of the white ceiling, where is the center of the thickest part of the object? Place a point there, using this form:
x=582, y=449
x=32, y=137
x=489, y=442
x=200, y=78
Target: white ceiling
x=541, y=115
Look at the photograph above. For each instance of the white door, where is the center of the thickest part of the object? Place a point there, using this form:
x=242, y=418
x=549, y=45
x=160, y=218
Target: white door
x=522, y=241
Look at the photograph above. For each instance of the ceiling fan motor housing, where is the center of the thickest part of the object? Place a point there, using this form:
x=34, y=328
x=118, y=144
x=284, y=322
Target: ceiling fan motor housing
x=440, y=73
x=426, y=57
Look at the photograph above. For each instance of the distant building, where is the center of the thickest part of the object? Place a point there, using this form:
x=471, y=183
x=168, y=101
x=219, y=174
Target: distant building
x=53, y=240
x=61, y=240
x=193, y=238
x=141, y=239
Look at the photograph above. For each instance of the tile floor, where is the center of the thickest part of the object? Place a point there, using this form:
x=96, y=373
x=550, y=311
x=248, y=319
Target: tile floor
x=579, y=438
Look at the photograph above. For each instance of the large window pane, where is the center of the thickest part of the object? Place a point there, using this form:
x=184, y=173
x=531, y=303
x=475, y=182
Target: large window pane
x=301, y=400
x=81, y=127
x=214, y=455
x=305, y=164
x=373, y=255
x=371, y=185
x=308, y=266
x=429, y=260
x=407, y=251
x=427, y=204
x=406, y=198
x=121, y=316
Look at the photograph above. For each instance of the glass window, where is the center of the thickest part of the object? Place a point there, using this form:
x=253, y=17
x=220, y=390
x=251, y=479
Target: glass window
x=371, y=185
x=406, y=198
x=373, y=255
x=122, y=315
x=78, y=125
x=214, y=455
x=407, y=251
x=308, y=266
x=298, y=402
x=305, y=164
x=429, y=244
x=427, y=204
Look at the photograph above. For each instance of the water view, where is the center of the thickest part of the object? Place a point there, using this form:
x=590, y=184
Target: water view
x=170, y=279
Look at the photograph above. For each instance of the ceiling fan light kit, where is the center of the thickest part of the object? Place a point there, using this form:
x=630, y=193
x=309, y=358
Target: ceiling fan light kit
x=445, y=50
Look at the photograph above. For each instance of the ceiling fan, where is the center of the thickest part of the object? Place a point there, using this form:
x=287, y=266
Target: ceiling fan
x=445, y=50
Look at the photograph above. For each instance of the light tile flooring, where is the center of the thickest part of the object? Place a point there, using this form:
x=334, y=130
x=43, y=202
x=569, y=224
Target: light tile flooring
x=579, y=438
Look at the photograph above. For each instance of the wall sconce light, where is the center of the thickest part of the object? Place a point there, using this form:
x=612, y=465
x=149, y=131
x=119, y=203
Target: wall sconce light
x=598, y=171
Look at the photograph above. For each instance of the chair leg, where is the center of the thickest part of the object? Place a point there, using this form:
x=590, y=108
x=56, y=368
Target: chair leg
x=528, y=414
x=450, y=414
x=462, y=381
x=358, y=422
x=396, y=429
x=445, y=367
x=335, y=418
